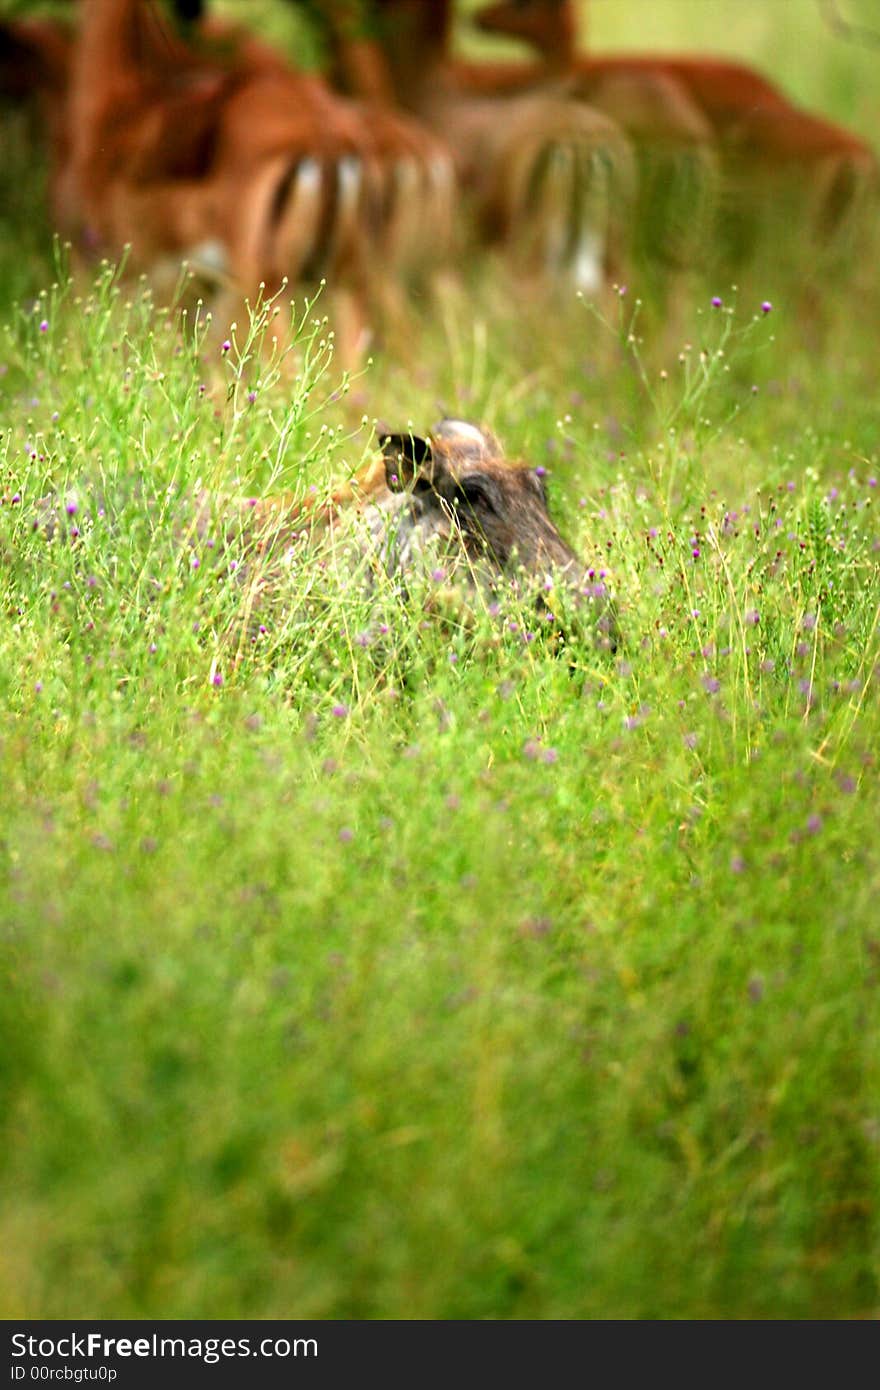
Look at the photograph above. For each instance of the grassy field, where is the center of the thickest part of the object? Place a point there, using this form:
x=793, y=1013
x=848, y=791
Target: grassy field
x=375, y=959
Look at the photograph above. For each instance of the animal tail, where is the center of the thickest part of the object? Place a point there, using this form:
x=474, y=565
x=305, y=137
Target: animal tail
x=848, y=190
x=300, y=217
x=676, y=159
x=413, y=195
x=565, y=181
x=787, y=172
x=679, y=192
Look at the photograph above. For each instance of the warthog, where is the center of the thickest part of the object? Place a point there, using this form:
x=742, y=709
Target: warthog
x=449, y=504
x=452, y=500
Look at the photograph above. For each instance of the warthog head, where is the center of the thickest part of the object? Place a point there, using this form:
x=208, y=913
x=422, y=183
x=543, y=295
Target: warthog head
x=455, y=495
x=457, y=488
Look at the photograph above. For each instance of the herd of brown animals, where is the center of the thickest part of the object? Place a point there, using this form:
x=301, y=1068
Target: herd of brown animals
x=206, y=144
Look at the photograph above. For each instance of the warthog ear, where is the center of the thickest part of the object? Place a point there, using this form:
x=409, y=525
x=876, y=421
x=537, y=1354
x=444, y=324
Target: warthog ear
x=407, y=456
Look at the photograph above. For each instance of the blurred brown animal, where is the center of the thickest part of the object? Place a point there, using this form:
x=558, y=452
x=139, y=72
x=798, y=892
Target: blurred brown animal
x=251, y=170
x=551, y=180
x=767, y=144
x=411, y=206
x=657, y=147
x=35, y=60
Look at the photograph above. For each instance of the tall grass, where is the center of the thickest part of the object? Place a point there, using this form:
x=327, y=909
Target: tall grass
x=367, y=958
x=370, y=954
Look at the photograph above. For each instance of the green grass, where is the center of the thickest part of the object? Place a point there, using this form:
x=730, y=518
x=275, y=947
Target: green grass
x=447, y=970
